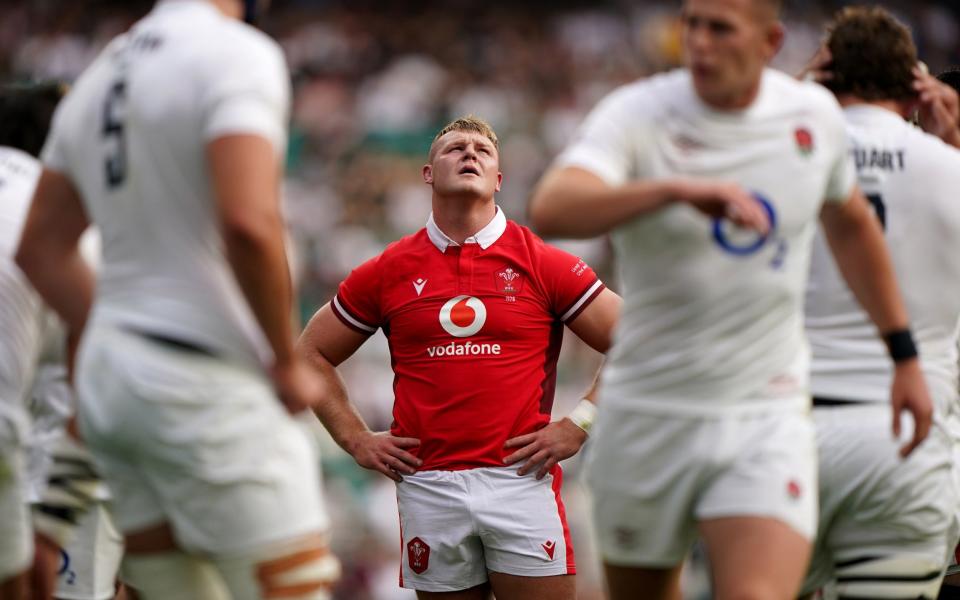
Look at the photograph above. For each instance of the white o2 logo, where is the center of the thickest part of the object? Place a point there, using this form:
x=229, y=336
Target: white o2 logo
x=463, y=316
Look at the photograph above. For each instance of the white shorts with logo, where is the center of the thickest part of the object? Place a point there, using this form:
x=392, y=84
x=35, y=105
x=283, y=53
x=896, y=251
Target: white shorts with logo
x=458, y=525
x=91, y=560
x=654, y=477
x=193, y=440
x=875, y=504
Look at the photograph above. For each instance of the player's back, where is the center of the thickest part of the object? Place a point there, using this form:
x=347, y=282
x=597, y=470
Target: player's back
x=19, y=304
x=912, y=180
x=132, y=137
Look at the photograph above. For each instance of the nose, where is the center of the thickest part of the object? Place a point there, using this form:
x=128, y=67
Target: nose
x=697, y=38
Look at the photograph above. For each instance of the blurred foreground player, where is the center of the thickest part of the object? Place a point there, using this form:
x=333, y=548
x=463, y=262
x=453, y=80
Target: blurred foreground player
x=172, y=144
x=886, y=524
x=25, y=115
x=711, y=180
x=473, y=307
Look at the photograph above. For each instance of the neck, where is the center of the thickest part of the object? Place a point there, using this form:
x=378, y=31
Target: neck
x=894, y=106
x=461, y=218
x=230, y=8
x=738, y=101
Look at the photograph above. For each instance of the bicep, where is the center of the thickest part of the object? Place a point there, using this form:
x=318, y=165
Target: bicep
x=837, y=217
x=56, y=219
x=245, y=176
x=329, y=337
x=595, y=325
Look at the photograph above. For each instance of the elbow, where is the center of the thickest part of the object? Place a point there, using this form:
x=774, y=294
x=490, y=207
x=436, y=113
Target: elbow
x=250, y=231
x=29, y=256
x=541, y=218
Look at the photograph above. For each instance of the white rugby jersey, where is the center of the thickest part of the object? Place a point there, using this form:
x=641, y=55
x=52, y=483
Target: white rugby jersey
x=132, y=134
x=712, y=314
x=913, y=181
x=20, y=306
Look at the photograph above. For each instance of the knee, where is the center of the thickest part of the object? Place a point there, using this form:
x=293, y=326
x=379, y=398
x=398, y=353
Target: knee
x=305, y=574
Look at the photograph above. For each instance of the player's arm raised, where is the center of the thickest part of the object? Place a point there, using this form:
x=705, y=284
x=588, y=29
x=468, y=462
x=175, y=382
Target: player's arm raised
x=856, y=240
x=559, y=440
x=572, y=202
x=324, y=344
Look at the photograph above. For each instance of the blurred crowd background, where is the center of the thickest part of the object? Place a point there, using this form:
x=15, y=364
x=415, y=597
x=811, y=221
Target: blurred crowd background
x=373, y=81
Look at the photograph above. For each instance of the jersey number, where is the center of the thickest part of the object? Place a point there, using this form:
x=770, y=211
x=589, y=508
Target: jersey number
x=877, y=202
x=116, y=163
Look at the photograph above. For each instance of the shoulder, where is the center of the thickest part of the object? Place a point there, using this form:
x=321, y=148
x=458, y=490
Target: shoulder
x=808, y=95
x=932, y=154
x=414, y=245
x=648, y=93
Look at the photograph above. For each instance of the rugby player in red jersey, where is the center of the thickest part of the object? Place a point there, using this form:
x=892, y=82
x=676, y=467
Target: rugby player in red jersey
x=473, y=306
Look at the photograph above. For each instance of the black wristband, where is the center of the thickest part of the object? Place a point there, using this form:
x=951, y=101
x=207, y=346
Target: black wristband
x=900, y=345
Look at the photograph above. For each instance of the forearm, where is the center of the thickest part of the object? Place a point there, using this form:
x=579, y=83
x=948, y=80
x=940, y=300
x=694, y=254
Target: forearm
x=861, y=254
x=573, y=203
x=258, y=260
x=335, y=411
x=64, y=281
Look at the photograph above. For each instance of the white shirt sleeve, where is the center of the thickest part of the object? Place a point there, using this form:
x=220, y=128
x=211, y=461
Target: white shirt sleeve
x=249, y=94
x=843, y=172
x=605, y=143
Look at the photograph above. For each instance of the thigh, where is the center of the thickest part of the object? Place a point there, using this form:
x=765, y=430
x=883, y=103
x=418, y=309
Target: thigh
x=91, y=560
x=755, y=557
x=441, y=547
x=628, y=583
x=514, y=587
x=645, y=473
x=480, y=592
x=522, y=522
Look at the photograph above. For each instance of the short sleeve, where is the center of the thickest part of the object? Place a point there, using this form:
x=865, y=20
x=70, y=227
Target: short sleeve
x=605, y=142
x=54, y=156
x=249, y=94
x=569, y=283
x=357, y=302
x=843, y=172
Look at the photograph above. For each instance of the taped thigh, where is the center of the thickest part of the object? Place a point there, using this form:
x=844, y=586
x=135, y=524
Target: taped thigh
x=902, y=577
x=301, y=570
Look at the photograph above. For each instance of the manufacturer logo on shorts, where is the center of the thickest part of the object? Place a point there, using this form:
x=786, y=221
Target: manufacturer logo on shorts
x=549, y=547
x=463, y=316
x=794, y=490
x=418, y=555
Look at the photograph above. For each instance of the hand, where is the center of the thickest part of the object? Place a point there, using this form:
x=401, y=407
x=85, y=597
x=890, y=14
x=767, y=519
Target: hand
x=909, y=392
x=546, y=447
x=384, y=453
x=939, y=106
x=298, y=386
x=725, y=200
x=818, y=69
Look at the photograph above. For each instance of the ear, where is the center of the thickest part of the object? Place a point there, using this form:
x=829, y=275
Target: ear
x=776, y=33
x=499, y=181
x=428, y=174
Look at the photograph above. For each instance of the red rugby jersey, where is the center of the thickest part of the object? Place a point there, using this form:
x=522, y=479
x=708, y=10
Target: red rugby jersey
x=474, y=334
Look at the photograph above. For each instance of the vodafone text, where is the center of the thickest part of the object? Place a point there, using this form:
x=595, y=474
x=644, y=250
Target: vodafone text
x=464, y=349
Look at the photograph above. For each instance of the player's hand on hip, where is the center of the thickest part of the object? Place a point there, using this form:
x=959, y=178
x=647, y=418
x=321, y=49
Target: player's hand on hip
x=725, y=200
x=545, y=447
x=384, y=453
x=298, y=386
x=939, y=106
x=909, y=392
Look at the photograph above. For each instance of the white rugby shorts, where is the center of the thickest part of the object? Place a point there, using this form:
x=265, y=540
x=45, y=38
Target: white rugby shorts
x=91, y=560
x=457, y=525
x=193, y=440
x=654, y=477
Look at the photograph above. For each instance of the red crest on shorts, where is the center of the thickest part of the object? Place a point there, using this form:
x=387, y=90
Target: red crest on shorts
x=418, y=554
x=804, y=140
x=793, y=489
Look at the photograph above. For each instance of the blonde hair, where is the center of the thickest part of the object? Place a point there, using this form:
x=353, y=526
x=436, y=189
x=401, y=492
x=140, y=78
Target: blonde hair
x=468, y=123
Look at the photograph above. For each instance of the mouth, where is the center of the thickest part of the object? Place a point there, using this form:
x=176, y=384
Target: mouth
x=469, y=170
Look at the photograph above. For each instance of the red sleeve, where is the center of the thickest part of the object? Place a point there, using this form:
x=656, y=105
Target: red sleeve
x=570, y=284
x=357, y=302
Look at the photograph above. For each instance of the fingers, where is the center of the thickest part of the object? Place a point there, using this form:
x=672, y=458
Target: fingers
x=547, y=467
x=521, y=454
x=897, y=407
x=922, y=422
x=520, y=440
x=531, y=464
x=405, y=456
x=405, y=442
x=398, y=465
x=745, y=211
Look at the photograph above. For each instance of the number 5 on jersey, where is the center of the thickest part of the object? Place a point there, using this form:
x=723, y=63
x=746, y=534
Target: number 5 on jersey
x=116, y=161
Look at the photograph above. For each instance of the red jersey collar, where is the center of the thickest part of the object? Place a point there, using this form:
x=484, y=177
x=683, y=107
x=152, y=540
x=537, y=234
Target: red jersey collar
x=485, y=237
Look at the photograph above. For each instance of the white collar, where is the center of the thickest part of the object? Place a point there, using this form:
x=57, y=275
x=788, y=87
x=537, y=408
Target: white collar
x=485, y=237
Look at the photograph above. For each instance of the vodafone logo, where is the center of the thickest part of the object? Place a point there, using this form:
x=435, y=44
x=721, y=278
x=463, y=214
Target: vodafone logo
x=463, y=316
